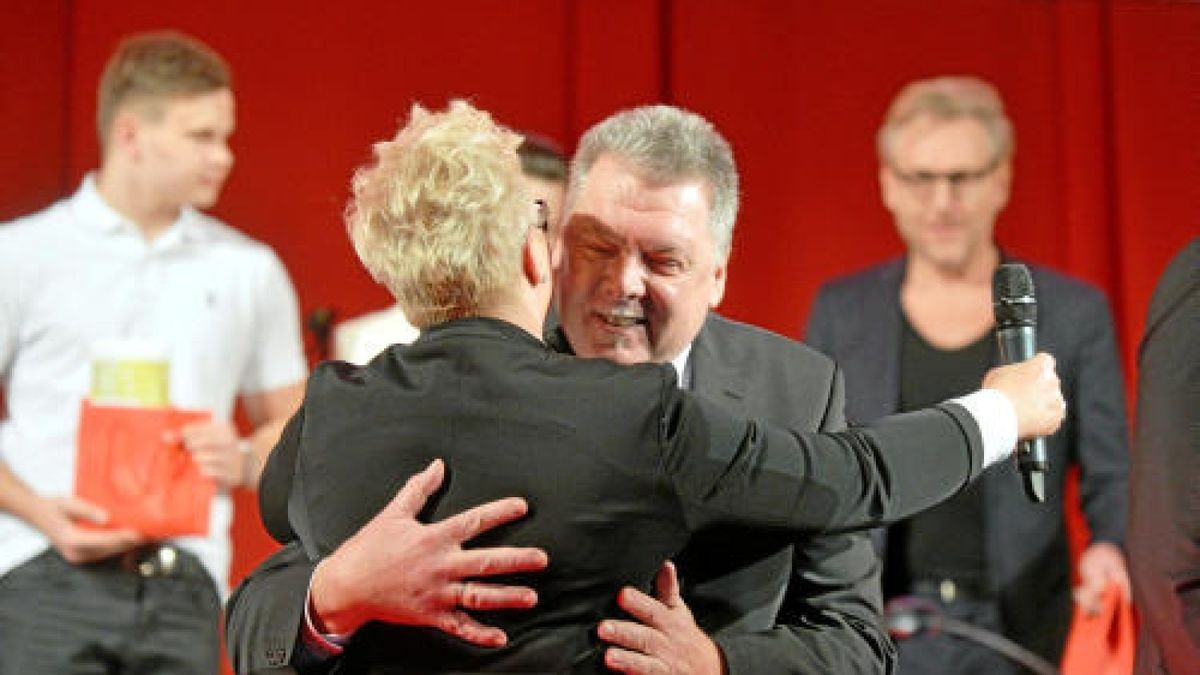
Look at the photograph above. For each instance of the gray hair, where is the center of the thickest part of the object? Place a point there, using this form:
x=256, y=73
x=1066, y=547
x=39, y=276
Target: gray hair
x=665, y=143
x=949, y=98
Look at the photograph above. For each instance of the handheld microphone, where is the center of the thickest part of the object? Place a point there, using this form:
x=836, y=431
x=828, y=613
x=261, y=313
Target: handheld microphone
x=1016, y=326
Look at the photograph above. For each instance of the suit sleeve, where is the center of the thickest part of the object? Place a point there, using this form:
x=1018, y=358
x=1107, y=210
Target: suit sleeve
x=264, y=615
x=1101, y=434
x=831, y=617
x=818, y=333
x=728, y=471
x=276, y=483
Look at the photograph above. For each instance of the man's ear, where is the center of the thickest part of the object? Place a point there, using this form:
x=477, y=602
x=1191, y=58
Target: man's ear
x=887, y=186
x=718, y=291
x=535, y=263
x=124, y=132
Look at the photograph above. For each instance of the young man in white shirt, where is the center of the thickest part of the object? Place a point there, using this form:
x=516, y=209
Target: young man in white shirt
x=129, y=258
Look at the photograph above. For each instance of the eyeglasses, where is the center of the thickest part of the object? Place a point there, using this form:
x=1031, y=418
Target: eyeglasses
x=923, y=183
x=543, y=221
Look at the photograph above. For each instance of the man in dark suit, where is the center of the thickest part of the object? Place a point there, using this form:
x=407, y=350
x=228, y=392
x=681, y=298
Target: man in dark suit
x=650, y=214
x=920, y=328
x=1164, y=515
x=613, y=489
x=646, y=468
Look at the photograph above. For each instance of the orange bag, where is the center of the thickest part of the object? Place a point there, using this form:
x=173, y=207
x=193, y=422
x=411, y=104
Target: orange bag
x=1103, y=644
x=146, y=484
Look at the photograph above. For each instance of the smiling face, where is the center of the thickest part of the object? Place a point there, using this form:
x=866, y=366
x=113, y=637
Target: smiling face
x=945, y=186
x=640, y=269
x=182, y=153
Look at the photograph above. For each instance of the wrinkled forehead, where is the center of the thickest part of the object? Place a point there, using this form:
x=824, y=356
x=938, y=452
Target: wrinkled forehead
x=614, y=184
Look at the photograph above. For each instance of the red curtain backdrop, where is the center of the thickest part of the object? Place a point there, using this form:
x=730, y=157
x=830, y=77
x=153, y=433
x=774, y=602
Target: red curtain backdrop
x=1104, y=94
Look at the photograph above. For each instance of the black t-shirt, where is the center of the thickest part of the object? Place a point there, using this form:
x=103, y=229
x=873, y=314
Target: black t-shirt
x=947, y=541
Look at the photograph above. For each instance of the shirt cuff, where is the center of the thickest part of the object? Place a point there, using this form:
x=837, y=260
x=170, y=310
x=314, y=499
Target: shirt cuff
x=997, y=420
x=321, y=646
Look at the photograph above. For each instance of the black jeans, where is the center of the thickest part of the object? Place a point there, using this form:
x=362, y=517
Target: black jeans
x=108, y=617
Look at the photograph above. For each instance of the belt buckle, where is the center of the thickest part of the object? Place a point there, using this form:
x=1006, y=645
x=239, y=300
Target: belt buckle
x=151, y=561
x=947, y=590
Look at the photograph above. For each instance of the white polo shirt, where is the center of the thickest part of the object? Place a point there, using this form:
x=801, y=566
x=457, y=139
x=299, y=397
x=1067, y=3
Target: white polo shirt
x=76, y=274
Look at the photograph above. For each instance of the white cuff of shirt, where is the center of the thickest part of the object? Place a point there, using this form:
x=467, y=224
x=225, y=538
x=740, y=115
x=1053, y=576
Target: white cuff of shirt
x=997, y=420
x=323, y=646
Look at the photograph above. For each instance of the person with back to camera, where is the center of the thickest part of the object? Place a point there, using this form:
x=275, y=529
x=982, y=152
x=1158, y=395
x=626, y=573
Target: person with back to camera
x=359, y=339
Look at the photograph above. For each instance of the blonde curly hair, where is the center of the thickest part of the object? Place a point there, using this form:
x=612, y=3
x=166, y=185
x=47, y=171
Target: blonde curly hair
x=441, y=216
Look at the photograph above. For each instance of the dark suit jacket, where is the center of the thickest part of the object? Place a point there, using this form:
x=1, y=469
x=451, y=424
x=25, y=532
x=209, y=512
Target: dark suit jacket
x=618, y=464
x=857, y=321
x=1164, y=520
x=734, y=582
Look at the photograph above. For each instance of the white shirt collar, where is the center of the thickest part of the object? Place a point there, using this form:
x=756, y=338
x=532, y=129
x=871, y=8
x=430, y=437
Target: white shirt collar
x=680, y=363
x=93, y=211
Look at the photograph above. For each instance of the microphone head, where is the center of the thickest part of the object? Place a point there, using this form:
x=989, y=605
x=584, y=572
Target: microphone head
x=1012, y=296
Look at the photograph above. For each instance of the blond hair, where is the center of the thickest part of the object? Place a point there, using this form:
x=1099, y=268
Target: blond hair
x=442, y=214
x=949, y=98
x=151, y=67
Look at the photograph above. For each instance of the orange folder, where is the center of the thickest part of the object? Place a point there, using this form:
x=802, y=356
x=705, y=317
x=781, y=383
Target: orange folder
x=144, y=483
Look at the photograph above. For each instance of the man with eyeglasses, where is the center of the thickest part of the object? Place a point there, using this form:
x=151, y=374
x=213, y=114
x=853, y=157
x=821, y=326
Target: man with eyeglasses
x=919, y=327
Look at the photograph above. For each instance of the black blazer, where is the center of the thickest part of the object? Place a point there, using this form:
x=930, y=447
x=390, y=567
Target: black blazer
x=619, y=466
x=830, y=619
x=857, y=321
x=1164, y=517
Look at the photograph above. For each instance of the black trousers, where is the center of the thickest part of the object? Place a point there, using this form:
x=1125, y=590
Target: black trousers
x=109, y=617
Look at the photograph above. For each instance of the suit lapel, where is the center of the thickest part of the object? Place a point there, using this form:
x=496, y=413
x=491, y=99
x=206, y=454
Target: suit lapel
x=880, y=348
x=719, y=379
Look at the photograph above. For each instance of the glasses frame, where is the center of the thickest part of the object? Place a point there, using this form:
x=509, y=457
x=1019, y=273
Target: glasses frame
x=924, y=183
x=543, y=221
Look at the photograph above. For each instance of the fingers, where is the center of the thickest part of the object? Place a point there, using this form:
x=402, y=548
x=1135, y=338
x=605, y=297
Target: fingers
x=468, y=524
x=1102, y=564
x=111, y=542
x=642, y=607
x=1089, y=599
x=90, y=545
x=204, y=434
x=632, y=663
x=478, y=596
x=416, y=491
x=78, y=509
x=666, y=585
x=462, y=626
x=632, y=641
x=487, y=562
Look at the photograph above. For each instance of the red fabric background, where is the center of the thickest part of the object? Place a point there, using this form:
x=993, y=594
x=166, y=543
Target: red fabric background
x=1105, y=95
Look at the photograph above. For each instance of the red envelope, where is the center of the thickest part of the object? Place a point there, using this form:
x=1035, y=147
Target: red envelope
x=144, y=483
